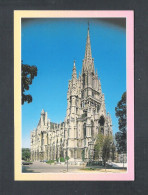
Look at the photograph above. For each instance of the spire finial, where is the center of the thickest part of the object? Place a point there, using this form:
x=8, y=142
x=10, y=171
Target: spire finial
x=74, y=64
x=88, y=25
x=42, y=112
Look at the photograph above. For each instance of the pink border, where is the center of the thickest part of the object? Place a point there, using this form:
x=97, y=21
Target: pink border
x=129, y=175
x=130, y=92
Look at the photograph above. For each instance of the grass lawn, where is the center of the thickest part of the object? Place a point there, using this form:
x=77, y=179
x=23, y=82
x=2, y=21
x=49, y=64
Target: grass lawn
x=107, y=170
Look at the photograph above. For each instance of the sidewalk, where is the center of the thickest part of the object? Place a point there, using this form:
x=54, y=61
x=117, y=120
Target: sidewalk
x=118, y=165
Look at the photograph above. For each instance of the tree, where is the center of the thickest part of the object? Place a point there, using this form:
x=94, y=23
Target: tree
x=25, y=154
x=121, y=115
x=98, y=145
x=121, y=135
x=113, y=151
x=106, y=149
x=28, y=74
x=103, y=147
x=83, y=155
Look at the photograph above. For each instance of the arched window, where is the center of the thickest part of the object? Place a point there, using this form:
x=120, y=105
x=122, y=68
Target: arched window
x=101, y=122
x=92, y=129
x=82, y=94
x=70, y=100
x=84, y=130
x=42, y=140
x=83, y=80
x=92, y=81
x=64, y=133
x=98, y=108
x=47, y=138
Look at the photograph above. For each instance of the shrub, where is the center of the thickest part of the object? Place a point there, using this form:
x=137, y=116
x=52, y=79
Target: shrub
x=67, y=158
x=62, y=159
x=26, y=154
x=50, y=161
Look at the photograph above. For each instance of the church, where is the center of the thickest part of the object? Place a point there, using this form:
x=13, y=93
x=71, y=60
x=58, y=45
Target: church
x=86, y=116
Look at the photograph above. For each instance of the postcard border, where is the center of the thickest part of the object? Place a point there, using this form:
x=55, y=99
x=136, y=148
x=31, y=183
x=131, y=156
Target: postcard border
x=129, y=175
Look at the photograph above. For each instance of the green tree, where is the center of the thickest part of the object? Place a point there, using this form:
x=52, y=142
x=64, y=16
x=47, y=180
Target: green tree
x=26, y=154
x=28, y=74
x=98, y=145
x=83, y=155
x=67, y=158
x=106, y=150
x=113, y=151
x=121, y=135
x=121, y=115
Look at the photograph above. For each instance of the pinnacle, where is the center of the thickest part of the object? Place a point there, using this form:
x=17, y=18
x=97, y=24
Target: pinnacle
x=74, y=66
x=42, y=112
x=74, y=73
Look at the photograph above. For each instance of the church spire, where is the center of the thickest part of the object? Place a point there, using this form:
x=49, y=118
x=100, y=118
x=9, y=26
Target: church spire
x=88, y=62
x=88, y=46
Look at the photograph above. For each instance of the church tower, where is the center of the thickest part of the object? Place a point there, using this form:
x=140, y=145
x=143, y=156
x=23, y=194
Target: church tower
x=86, y=113
x=85, y=117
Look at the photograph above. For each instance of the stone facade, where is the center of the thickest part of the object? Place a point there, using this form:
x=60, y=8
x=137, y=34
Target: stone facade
x=86, y=114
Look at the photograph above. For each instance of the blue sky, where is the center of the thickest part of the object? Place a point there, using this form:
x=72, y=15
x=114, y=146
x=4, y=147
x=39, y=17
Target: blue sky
x=52, y=45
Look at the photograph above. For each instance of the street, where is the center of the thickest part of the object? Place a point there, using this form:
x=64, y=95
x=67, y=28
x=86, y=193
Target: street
x=40, y=167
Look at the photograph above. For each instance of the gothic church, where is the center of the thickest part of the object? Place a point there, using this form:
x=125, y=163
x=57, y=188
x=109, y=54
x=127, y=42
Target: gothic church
x=86, y=115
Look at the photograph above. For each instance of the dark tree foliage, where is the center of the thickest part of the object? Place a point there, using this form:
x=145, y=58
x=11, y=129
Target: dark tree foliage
x=113, y=150
x=121, y=115
x=28, y=74
x=83, y=155
x=26, y=154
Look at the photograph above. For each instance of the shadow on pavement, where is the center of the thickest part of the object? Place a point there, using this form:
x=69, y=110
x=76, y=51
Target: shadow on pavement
x=26, y=169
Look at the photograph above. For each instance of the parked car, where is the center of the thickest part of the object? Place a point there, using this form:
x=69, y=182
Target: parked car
x=26, y=163
x=45, y=161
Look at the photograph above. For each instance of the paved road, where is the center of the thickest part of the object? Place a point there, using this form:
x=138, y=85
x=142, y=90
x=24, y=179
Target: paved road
x=40, y=167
